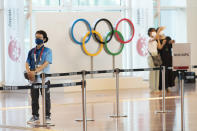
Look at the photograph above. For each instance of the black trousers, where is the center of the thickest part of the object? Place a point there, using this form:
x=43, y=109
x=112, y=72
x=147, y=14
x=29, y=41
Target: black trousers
x=35, y=100
x=167, y=73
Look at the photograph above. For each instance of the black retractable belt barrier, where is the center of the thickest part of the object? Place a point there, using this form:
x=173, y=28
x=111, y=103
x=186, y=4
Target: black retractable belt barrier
x=15, y=87
x=99, y=72
x=141, y=69
x=40, y=86
x=63, y=74
x=65, y=84
x=195, y=66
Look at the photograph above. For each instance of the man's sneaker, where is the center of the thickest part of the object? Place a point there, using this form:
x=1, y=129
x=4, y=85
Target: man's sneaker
x=34, y=120
x=48, y=120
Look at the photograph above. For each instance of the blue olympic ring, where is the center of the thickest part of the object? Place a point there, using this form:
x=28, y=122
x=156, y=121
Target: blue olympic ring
x=72, y=28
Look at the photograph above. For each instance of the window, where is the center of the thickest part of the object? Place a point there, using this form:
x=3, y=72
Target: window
x=46, y=2
x=173, y=17
x=176, y=3
x=177, y=30
x=53, y=3
x=96, y=2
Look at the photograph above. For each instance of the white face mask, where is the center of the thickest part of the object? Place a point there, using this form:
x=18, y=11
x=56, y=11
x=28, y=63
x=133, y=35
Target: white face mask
x=161, y=33
x=154, y=34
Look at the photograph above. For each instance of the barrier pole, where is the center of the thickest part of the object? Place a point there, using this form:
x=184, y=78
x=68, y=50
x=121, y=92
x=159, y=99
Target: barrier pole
x=43, y=100
x=84, y=112
x=83, y=90
x=182, y=99
x=92, y=65
x=113, y=64
x=117, y=115
x=43, y=104
x=163, y=92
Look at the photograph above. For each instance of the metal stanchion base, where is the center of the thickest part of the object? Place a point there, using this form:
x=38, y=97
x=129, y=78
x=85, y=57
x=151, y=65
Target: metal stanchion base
x=167, y=111
x=80, y=120
x=117, y=116
x=40, y=125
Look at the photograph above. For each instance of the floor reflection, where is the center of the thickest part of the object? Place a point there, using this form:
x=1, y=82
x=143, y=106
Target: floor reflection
x=138, y=104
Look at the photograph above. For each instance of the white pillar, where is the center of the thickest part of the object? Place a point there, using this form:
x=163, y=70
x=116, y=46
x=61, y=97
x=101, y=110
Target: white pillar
x=159, y=12
x=192, y=28
x=2, y=60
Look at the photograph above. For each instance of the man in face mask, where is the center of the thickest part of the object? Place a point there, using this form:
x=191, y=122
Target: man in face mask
x=38, y=61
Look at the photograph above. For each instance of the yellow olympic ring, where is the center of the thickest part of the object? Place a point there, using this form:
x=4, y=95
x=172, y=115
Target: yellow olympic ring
x=101, y=45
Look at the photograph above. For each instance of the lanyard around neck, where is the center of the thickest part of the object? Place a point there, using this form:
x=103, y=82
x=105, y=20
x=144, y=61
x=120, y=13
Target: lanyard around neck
x=40, y=56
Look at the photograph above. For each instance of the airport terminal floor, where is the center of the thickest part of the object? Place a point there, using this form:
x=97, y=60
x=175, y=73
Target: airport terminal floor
x=139, y=104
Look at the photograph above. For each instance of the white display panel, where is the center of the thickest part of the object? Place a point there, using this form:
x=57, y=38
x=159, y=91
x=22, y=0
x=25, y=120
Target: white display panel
x=181, y=55
x=14, y=43
x=67, y=55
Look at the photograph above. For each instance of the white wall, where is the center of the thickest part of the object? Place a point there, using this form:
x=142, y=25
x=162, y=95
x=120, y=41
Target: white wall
x=67, y=55
x=192, y=28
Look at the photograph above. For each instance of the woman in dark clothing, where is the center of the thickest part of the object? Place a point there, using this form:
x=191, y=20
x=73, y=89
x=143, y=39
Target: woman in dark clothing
x=171, y=73
x=166, y=56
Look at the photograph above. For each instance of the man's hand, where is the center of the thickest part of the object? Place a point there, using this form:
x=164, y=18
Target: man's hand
x=40, y=68
x=161, y=28
x=157, y=37
x=164, y=42
x=31, y=75
x=172, y=42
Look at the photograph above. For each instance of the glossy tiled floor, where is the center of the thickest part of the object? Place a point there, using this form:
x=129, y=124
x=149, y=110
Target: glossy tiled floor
x=139, y=104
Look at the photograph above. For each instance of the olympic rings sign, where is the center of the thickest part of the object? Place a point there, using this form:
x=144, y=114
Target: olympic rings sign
x=98, y=37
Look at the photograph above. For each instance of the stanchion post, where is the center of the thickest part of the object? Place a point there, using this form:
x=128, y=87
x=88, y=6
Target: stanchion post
x=182, y=99
x=113, y=64
x=164, y=88
x=83, y=87
x=92, y=65
x=117, y=92
x=43, y=100
x=117, y=115
x=43, y=103
x=44, y=124
x=163, y=92
x=84, y=96
x=164, y=122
